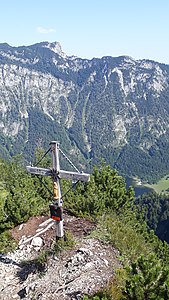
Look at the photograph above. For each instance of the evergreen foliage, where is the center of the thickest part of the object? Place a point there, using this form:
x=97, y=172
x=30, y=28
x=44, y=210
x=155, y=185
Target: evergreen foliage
x=21, y=195
x=147, y=279
x=156, y=213
x=106, y=191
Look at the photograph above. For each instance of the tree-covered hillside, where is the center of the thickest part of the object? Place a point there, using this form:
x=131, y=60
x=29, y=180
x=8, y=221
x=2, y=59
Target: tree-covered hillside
x=156, y=211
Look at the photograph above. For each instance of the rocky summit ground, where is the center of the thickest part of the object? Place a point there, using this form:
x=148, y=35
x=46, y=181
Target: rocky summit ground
x=83, y=270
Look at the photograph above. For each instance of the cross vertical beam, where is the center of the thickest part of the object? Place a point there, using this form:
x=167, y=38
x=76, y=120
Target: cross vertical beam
x=56, y=187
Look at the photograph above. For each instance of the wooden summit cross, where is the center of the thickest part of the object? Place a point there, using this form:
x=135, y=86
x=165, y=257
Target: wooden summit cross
x=57, y=174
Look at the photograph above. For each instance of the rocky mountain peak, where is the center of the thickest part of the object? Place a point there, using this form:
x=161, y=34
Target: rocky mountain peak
x=4, y=46
x=55, y=47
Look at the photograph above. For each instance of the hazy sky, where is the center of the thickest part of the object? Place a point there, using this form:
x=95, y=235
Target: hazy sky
x=90, y=28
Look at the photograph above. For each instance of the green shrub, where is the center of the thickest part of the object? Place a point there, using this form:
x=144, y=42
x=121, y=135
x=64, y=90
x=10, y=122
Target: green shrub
x=65, y=243
x=147, y=279
x=7, y=243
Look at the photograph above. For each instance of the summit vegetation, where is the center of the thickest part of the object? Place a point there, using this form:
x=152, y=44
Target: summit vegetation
x=121, y=221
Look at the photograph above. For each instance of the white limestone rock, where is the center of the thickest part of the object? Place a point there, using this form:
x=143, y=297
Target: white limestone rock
x=37, y=242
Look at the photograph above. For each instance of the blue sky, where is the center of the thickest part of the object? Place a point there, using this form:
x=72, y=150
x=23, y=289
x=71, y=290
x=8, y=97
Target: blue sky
x=90, y=28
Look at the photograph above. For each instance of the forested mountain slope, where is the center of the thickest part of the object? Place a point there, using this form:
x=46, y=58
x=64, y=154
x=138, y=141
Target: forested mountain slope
x=156, y=211
x=116, y=108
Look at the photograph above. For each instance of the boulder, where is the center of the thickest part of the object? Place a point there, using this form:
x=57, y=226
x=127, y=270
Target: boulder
x=37, y=242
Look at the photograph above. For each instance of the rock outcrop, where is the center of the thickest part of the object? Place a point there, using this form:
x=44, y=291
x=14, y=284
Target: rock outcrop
x=85, y=269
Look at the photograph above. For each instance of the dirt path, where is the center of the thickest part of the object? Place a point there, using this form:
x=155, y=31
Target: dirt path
x=85, y=269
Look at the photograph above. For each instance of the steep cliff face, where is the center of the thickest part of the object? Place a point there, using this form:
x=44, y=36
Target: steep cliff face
x=116, y=108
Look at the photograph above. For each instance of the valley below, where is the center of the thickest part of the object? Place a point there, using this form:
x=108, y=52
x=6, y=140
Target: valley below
x=161, y=186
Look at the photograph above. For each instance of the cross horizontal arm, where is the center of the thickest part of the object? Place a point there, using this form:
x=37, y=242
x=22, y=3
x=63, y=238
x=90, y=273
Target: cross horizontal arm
x=74, y=176
x=39, y=171
x=62, y=174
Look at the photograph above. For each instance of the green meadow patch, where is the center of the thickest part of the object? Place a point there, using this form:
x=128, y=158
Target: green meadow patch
x=161, y=186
